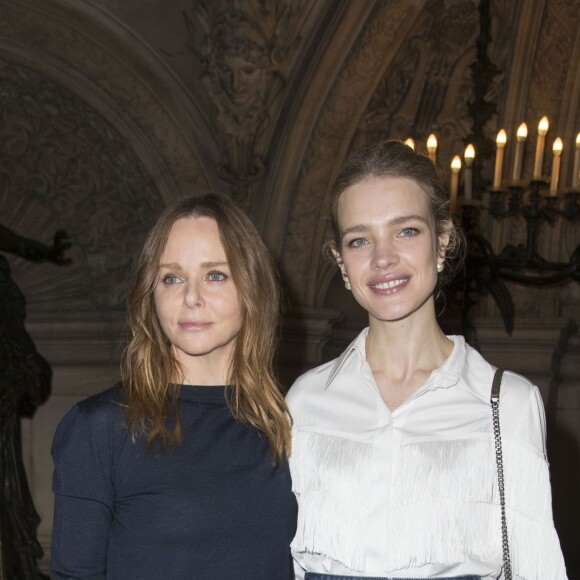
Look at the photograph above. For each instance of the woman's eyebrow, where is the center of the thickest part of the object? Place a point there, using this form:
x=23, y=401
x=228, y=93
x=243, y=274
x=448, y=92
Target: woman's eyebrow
x=355, y=229
x=176, y=266
x=407, y=218
x=393, y=222
x=171, y=266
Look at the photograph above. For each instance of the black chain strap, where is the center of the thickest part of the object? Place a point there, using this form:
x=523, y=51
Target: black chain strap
x=507, y=567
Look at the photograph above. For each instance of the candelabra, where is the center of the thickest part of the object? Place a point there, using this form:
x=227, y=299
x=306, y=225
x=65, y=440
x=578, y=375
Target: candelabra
x=520, y=263
x=523, y=263
x=538, y=201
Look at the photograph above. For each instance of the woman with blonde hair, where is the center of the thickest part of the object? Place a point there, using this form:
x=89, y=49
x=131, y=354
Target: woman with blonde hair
x=396, y=456
x=181, y=470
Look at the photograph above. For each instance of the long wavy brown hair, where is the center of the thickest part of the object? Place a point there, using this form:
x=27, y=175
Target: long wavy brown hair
x=149, y=368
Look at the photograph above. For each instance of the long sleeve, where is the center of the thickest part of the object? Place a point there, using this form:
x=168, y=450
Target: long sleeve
x=83, y=497
x=534, y=544
x=531, y=428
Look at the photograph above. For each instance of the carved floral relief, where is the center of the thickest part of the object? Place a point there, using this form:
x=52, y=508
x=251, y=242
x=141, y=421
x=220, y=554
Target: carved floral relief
x=302, y=251
x=63, y=165
x=244, y=49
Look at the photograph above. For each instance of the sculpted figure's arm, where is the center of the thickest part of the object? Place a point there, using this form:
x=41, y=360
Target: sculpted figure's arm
x=34, y=251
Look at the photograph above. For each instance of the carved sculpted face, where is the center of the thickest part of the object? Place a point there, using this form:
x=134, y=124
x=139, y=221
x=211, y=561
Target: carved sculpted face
x=241, y=63
x=240, y=79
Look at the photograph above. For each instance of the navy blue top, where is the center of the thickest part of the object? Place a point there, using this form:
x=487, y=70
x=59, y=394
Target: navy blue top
x=214, y=508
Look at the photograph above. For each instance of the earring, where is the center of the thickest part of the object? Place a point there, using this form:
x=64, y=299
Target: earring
x=440, y=267
x=347, y=284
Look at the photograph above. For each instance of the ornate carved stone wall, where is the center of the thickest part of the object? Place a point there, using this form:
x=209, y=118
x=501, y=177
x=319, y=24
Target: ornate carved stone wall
x=246, y=51
x=356, y=80
x=63, y=165
x=99, y=59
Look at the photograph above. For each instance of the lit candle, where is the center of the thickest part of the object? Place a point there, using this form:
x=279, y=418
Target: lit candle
x=500, y=143
x=521, y=137
x=432, y=147
x=543, y=127
x=576, y=171
x=455, y=169
x=410, y=143
x=468, y=176
x=557, y=149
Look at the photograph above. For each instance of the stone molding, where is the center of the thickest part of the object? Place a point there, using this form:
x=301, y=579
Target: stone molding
x=84, y=49
x=330, y=137
x=63, y=165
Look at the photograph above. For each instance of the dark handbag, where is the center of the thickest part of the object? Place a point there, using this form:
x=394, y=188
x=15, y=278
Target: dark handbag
x=495, y=388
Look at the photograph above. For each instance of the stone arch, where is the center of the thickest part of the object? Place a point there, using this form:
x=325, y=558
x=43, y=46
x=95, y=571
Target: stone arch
x=372, y=38
x=95, y=57
x=132, y=143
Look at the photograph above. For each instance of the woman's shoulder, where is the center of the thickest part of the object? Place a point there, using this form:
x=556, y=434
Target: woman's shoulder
x=478, y=373
x=99, y=412
x=521, y=406
x=104, y=404
x=311, y=381
x=318, y=379
x=110, y=396
x=87, y=445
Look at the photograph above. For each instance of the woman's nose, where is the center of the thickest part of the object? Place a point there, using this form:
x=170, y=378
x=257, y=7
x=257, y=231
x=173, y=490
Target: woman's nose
x=384, y=255
x=192, y=296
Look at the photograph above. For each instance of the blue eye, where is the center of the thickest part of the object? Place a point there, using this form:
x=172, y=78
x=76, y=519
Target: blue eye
x=170, y=279
x=217, y=276
x=357, y=243
x=409, y=232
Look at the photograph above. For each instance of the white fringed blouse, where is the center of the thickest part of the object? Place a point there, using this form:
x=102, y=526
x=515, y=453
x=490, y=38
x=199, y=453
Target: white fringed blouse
x=413, y=493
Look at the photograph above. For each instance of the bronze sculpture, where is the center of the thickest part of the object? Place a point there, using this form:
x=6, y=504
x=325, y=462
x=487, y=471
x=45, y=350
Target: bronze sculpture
x=25, y=383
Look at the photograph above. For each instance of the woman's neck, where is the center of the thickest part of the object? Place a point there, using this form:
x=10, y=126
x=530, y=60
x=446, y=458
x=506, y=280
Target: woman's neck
x=402, y=355
x=205, y=370
x=402, y=348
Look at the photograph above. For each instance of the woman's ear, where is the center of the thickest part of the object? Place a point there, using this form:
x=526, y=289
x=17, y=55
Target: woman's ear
x=339, y=261
x=443, y=240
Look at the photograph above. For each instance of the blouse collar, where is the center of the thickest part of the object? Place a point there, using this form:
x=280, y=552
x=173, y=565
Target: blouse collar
x=445, y=376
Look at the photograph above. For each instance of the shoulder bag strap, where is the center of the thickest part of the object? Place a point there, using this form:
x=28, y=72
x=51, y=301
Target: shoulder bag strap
x=495, y=388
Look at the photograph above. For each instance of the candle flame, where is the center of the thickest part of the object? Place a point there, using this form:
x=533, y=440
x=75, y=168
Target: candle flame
x=522, y=132
x=543, y=126
x=578, y=140
x=501, y=138
x=410, y=143
x=456, y=164
x=469, y=152
x=432, y=142
x=558, y=146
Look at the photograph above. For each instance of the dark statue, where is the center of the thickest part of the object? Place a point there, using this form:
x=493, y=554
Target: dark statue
x=25, y=383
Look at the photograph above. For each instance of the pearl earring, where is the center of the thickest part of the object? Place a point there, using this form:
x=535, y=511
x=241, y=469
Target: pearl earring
x=440, y=267
x=347, y=284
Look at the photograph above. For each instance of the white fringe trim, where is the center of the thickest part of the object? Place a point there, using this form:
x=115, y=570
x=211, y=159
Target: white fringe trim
x=444, y=503
x=448, y=489
x=328, y=473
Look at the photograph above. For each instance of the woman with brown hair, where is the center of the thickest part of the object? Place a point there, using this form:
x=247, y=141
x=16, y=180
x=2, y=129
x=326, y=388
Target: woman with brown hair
x=394, y=443
x=181, y=471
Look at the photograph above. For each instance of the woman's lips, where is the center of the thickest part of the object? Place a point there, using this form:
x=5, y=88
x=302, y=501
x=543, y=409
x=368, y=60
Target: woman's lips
x=194, y=325
x=389, y=286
